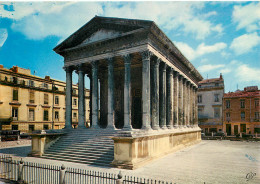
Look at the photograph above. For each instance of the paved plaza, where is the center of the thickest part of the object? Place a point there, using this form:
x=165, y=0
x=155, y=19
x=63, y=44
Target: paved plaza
x=209, y=161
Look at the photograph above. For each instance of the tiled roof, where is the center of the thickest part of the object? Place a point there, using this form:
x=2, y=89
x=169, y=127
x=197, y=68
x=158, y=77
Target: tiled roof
x=238, y=94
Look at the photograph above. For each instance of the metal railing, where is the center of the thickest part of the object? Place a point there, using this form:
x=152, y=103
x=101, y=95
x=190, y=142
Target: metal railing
x=35, y=173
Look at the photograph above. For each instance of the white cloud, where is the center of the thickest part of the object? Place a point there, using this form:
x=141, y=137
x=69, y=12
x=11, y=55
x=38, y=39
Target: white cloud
x=225, y=70
x=247, y=74
x=40, y=19
x=209, y=67
x=247, y=17
x=201, y=50
x=3, y=36
x=245, y=43
x=60, y=21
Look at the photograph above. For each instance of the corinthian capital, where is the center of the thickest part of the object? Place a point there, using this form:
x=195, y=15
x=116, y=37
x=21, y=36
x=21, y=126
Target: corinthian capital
x=146, y=54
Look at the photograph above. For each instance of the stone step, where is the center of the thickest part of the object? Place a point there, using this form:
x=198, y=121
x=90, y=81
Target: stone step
x=86, y=149
x=82, y=154
x=88, y=140
x=81, y=145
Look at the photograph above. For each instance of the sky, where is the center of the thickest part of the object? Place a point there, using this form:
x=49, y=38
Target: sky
x=215, y=36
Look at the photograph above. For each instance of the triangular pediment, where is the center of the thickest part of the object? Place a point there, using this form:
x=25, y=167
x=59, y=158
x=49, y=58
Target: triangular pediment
x=101, y=28
x=102, y=34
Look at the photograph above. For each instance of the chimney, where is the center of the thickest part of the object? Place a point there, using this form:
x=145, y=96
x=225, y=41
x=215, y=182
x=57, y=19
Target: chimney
x=47, y=77
x=220, y=76
x=1, y=66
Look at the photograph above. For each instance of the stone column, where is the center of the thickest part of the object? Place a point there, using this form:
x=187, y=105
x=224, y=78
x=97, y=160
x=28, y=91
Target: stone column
x=68, y=122
x=191, y=104
x=188, y=103
x=196, y=107
x=155, y=94
x=127, y=93
x=146, y=55
x=110, y=100
x=162, y=100
x=176, y=104
x=169, y=98
x=90, y=99
x=180, y=115
x=184, y=104
x=95, y=96
x=81, y=96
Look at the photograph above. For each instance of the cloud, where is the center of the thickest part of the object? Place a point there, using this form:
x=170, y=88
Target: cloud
x=61, y=20
x=225, y=70
x=209, y=67
x=38, y=20
x=245, y=43
x=3, y=36
x=247, y=17
x=247, y=74
x=201, y=50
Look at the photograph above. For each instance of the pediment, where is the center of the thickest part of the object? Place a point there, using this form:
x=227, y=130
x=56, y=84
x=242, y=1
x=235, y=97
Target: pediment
x=101, y=28
x=102, y=34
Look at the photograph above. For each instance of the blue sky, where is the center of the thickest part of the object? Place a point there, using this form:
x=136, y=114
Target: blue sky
x=217, y=37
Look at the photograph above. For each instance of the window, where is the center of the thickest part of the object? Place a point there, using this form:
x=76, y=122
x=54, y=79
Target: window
x=256, y=103
x=257, y=115
x=15, y=113
x=216, y=112
x=56, y=100
x=74, y=115
x=31, y=83
x=45, y=85
x=15, y=94
x=227, y=104
x=15, y=81
x=56, y=115
x=74, y=101
x=199, y=98
x=74, y=91
x=31, y=128
x=46, y=127
x=46, y=99
x=242, y=103
x=216, y=97
x=216, y=84
x=45, y=115
x=14, y=127
x=31, y=114
x=243, y=115
x=31, y=97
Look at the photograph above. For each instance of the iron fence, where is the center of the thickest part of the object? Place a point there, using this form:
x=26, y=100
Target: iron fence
x=35, y=173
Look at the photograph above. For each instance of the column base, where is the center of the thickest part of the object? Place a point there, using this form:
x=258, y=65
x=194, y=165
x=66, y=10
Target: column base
x=155, y=127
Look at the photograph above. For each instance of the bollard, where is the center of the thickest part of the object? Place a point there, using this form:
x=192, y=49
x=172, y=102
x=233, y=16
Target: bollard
x=119, y=178
x=62, y=174
x=20, y=171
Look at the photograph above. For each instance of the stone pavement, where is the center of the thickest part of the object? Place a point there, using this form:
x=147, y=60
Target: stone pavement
x=211, y=161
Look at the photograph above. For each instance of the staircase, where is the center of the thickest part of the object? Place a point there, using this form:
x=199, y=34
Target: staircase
x=85, y=146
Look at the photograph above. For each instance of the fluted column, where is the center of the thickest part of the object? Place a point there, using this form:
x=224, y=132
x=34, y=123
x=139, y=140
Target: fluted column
x=68, y=121
x=110, y=99
x=169, y=97
x=188, y=103
x=146, y=55
x=191, y=102
x=155, y=94
x=176, y=100
x=163, y=96
x=184, y=121
x=196, y=107
x=81, y=97
x=95, y=96
x=180, y=115
x=127, y=93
